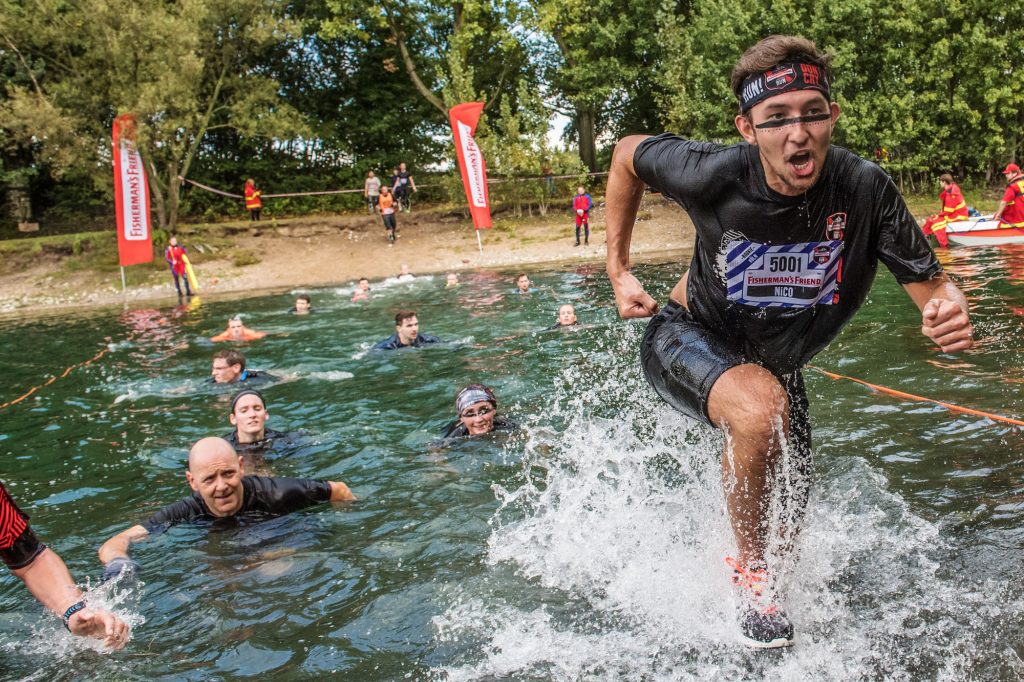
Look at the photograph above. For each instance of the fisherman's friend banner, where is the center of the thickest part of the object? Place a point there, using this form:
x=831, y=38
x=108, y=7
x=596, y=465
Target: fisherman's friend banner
x=131, y=196
x=464, y=118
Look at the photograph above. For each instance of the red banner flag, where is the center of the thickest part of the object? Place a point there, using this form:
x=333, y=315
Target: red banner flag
x=131, y=196
x=464, y=118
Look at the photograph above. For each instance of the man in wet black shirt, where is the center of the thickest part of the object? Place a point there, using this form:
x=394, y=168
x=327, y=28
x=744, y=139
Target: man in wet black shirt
x=222, y=490
x=790, y=231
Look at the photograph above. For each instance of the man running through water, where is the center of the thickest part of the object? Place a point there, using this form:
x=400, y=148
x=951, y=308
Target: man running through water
x=790, y=231
x=221, y=491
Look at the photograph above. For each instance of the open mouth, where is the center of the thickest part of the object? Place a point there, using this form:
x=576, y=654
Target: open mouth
x=802, y=164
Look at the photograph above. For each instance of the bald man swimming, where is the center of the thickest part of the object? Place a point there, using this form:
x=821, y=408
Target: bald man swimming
x=221, y=490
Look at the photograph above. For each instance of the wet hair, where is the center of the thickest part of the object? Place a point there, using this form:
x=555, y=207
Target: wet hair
x=234, y=318
x=304, y=297
x=472, y=394
x=244, y=392
x=774, y=50
x=230, y=356
x=403, y=315
x=521, y=275
x=946, y=178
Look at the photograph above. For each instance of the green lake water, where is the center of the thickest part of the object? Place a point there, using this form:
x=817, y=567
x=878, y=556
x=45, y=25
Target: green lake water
x=588, y=548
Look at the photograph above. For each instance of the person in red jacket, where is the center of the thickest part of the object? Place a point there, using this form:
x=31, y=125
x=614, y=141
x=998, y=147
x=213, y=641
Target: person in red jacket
x=252, y=199
x=1011, y=207
x=953, y=208
x=581, y=204
x=175, y=257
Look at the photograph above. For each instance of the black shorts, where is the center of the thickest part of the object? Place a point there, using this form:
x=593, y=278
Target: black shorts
x=389, y=221
x=682, y=359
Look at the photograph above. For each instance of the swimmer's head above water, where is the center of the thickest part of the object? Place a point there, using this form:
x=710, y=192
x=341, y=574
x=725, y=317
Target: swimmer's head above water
x=477, y=408
x=228, y=366
x=249, y=415
x=566, y=315
x=215, y=472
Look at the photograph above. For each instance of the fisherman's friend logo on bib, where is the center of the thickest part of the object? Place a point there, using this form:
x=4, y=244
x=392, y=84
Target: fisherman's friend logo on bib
x=835, y=226
x=783, y=275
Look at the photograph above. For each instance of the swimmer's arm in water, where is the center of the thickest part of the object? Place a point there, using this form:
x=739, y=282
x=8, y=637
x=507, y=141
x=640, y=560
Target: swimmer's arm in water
x=117, y=546
x=622, y=200
x=340, y=492
x=944, y=313
x=49, y=581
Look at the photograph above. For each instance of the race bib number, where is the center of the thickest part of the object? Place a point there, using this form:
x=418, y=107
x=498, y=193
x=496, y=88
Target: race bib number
x=783, y=275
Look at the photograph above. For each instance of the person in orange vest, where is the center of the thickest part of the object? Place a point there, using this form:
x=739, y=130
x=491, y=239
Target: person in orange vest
x=1011, y=208
x=252, y=199
x=386, y=202
x=175, y=257
x=953, y=208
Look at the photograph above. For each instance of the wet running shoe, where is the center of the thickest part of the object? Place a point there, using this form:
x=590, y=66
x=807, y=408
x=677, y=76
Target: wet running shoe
x=763, y=625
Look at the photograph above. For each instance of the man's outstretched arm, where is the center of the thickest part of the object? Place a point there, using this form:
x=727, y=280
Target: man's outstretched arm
x=49, y=581
x=117, y=546
x=944, y=313
x=622, y=199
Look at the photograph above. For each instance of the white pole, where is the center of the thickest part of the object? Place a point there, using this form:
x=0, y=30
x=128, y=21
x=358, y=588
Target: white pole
x=478, y=242
x=124, y=287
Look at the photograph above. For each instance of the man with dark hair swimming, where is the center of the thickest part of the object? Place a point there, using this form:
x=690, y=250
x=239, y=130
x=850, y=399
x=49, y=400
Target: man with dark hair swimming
x=216, y=474
x=407, y=333
x=229, y=368
x=251, y=438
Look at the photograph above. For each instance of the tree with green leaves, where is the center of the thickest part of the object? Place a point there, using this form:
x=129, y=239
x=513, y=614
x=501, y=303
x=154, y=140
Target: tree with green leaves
x=183, y=69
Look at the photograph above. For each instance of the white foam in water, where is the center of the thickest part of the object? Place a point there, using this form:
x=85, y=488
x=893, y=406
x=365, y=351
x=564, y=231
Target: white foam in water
x=51, y=640
x=330, y=375
x=618, y=558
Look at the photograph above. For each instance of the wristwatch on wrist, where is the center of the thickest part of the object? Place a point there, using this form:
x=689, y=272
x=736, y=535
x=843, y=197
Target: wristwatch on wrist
x=72, y=610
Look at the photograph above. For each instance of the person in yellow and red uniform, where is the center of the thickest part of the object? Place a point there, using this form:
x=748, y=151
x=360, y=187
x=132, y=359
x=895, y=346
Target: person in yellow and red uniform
x=953, y=208
x=252, y=199
x=175, y=257
x=1011, y=208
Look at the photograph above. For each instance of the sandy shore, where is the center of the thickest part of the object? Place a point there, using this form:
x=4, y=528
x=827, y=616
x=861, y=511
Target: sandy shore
x=336, y=250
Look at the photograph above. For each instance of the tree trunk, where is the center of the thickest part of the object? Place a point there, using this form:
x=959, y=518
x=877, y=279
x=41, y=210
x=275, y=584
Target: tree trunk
x=158, y=197
x=173, y=200
x=585, y=124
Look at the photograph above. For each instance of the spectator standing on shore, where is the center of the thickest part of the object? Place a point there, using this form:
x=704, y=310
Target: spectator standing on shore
x=387, y=213
x=175, y=257
x=252, y=199
x=582, y=203
x=403, y=188
x=371, y=190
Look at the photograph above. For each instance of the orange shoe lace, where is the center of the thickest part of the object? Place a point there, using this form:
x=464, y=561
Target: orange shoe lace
x=752, y=581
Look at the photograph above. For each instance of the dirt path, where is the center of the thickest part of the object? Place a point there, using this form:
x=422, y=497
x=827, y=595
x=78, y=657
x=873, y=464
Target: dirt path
x=319, y=251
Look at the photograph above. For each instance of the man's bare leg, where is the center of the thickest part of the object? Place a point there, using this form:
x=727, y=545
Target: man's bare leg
x=751, y=407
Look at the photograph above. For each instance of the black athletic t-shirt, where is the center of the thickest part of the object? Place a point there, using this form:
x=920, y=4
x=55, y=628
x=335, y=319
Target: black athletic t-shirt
x=833, y=235
x=270, y=437
x=263, y=496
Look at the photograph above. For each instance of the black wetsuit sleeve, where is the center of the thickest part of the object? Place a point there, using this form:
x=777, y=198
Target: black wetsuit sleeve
x=176, y=512
x=424, y=339
x=19, y=546
x=902, y=246
x=280, y=495
x=676, y=167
